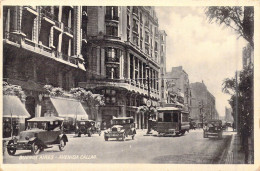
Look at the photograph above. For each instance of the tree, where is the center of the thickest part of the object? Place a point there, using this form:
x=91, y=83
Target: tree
x=240, y=19
x=90, y=99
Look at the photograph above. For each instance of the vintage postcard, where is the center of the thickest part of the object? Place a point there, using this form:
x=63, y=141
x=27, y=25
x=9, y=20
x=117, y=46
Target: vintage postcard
x=115, y=85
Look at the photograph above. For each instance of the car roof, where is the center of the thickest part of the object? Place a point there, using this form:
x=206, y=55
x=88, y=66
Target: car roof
x=47, y=119
x=122, y=118
x=214, y=120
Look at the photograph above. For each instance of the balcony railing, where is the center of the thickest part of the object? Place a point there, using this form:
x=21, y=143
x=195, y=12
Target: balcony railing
x=68, y=30
x=110, y=17
x=135, y=29
x=146, y=24
x=49, y=15
x=135, y=11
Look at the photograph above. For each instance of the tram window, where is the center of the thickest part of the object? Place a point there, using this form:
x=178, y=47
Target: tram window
x=160, y=117
x=167, y=117
x=175, y=117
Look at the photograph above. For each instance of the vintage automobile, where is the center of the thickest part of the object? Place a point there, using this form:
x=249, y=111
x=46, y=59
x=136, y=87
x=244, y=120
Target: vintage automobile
x=172, y=120
x=87, y=127
x=41, y=133
x=193, y=125
x=213, y=128
x=122, y=127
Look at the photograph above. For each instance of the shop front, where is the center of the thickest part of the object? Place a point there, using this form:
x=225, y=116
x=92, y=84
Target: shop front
x=14, y=114
x=69, y=109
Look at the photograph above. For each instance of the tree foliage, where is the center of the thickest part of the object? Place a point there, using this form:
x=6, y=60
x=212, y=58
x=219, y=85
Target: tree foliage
x=243, y=102
x=240, y=19
x=13, y=90
x=91, y=99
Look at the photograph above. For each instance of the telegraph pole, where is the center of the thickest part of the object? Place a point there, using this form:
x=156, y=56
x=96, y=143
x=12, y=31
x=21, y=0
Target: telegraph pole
x=148, y=101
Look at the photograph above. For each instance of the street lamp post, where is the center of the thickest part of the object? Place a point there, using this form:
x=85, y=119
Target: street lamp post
x=148, y=104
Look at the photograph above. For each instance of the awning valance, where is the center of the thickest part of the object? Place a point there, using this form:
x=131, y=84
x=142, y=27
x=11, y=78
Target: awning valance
x=13, y=107
x=69, y=108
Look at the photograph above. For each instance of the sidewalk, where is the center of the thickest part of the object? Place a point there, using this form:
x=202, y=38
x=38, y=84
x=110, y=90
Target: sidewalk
x=234, y=155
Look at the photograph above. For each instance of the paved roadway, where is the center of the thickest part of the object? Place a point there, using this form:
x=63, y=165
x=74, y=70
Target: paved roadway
x=191, y=148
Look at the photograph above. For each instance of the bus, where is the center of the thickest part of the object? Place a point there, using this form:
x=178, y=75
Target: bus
x=172, y=120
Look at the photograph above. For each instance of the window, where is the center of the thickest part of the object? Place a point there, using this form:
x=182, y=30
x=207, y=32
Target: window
x=112, y=31
x=112, y=72
x=112, y=54
x=112, y=12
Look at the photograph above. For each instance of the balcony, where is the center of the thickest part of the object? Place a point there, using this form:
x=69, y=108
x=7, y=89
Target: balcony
x=112, y=37
x=113, y=60
x=49, y=15
x=69, y=31
x=31, y=10
x=135, y=29
x=109, y=17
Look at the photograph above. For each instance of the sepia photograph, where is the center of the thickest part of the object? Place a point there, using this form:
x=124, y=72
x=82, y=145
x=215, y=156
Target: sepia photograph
x=128, y=84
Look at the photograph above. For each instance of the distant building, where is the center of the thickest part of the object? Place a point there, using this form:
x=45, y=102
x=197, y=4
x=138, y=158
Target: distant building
x=178, y=87
x=203, y=105
x=228, y=115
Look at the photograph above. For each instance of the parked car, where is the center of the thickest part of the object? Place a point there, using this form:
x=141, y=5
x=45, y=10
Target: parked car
x=122, y=127
x=228, y=124
x=87, y=127
x=41, y=133
x=213, y=128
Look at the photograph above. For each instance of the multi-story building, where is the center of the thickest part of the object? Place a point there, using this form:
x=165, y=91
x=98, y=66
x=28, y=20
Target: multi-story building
x=178, y=87
x=162, y=81
x=203, y=105
x=42, y=45
x=122, y=52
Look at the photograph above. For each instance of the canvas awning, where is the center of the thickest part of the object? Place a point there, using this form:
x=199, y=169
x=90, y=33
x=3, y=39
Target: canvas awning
x=13, y=107
x=69, y=108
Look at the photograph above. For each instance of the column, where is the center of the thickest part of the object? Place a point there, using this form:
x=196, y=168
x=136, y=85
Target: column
x=133, y=68
x=69, y=48
x=128, y=66
x=59, y=43
x=60, y=14
x=7, y=24
x=121, y=67
x=142, y=74
x=138, y=75
x=69, y=19
x=15, y=19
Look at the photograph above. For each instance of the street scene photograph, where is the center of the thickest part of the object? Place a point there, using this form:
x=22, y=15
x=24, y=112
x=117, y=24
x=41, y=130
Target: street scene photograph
x=128, y=84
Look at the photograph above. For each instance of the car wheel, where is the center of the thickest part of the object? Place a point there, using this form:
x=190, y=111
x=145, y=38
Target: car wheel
x=79, y=134
x=11, y=151
x=182, y=132
x=133, y=137
x=99, y=133
x=62, y=144
x=35, y=148
x=106, y=138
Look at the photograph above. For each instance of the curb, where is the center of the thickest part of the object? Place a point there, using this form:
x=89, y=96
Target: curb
x=227, y=155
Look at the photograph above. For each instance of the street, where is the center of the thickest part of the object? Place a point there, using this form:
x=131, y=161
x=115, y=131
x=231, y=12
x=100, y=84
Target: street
x=191, y=148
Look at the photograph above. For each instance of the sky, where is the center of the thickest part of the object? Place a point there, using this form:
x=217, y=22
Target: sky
x=207, y=51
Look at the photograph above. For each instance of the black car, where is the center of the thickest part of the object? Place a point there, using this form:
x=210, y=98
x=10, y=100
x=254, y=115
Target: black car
x=87, y=127
x=213, y=128
x=41, y=133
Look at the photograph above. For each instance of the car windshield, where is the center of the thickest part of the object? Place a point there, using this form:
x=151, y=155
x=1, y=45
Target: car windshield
x=39, y=125
x=212, y=124
x=122, y=121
